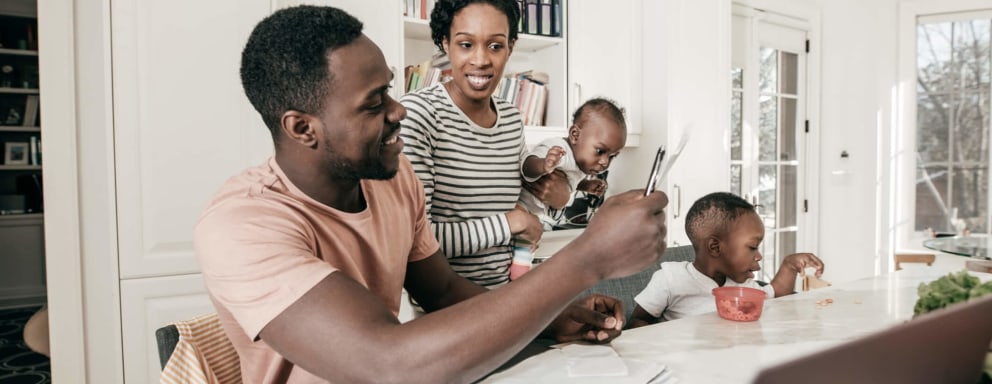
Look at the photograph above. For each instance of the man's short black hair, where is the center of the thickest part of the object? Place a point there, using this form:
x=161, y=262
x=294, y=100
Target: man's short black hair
x=284, y=64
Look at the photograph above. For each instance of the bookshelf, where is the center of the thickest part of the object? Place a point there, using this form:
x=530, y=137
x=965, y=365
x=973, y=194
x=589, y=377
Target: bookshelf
x=531, y=52
x=20, y=125
x=582, y=62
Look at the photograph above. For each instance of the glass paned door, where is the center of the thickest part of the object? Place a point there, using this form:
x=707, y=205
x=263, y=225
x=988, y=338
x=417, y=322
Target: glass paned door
x=767, y=139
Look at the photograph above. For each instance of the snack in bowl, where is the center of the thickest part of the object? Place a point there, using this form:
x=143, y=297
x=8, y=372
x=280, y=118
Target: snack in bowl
x=739, y=303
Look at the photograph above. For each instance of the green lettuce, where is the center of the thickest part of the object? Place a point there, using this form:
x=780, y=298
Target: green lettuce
x=949, y=289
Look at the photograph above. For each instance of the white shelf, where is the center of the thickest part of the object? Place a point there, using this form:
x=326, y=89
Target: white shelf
x=17, y=52
x=15, y=167
x=12, y=128
x=22, y=91
x=22, y=216
x=418, y=29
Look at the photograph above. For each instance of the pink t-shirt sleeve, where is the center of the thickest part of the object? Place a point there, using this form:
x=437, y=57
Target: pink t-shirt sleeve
x=262, y=261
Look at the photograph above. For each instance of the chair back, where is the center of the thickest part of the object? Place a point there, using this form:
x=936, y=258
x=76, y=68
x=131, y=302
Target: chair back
x=197, y=350
x=625, y=288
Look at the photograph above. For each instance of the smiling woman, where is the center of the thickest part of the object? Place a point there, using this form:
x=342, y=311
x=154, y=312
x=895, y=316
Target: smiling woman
x=466, y=145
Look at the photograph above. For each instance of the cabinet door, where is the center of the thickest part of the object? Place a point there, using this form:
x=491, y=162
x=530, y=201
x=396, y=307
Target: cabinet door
x=182, y=124
x=604, y=56
x=148, y=304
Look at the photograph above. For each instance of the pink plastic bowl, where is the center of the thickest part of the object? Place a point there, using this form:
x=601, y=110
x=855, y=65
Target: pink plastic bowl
x=739, y=303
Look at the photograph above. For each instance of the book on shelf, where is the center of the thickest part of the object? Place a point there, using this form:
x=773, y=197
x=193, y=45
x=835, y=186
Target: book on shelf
x=418, y=9
x=34, y=150
x=528, y=92
x=435, y=70
x=31, y=111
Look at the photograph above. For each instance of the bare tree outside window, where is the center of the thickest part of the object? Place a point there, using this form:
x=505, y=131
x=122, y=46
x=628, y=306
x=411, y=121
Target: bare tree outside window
x=953, y=107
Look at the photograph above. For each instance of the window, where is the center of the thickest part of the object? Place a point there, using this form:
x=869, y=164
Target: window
x=952, y=136
x=768, y=140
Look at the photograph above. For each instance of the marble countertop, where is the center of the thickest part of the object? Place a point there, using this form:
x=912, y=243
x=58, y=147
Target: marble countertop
x=709, y=349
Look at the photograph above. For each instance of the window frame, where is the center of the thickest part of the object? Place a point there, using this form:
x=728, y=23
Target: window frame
x=902, y=209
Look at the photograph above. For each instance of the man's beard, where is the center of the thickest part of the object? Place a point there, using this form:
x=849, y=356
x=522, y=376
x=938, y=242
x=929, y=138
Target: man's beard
x=370, y=169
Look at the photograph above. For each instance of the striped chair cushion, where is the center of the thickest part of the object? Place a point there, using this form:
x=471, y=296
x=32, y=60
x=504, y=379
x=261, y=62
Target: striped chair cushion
x=203, y=354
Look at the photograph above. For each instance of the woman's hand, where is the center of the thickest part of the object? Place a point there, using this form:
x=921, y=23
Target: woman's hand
x=552, y=189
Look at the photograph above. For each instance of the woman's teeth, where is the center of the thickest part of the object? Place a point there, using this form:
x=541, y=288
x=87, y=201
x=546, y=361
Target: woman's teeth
x=479, y=80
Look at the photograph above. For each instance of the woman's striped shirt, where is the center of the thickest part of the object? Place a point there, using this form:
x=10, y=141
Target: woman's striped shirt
x=471, y=178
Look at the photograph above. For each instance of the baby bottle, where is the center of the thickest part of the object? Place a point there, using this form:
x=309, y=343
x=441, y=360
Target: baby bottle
x=522, y=259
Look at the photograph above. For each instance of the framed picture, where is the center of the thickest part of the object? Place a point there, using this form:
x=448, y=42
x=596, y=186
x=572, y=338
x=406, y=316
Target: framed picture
x=15, y=154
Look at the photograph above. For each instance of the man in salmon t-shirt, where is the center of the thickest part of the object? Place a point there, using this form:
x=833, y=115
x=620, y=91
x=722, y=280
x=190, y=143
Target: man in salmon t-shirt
x=305, y=255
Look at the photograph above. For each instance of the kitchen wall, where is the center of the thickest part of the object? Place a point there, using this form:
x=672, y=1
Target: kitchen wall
x=856, y=66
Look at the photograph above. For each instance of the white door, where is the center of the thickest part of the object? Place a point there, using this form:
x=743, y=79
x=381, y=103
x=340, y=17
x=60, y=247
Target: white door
x=769, y=135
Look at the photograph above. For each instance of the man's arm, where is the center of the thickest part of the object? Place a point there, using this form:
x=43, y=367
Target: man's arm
x=340, y=331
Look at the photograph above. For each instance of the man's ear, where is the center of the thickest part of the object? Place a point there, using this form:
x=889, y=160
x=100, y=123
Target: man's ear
x=299, y=127
x=713, y=246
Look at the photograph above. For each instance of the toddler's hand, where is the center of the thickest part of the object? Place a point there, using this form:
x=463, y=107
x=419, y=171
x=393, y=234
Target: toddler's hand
x=552, y=159
x=798, y=262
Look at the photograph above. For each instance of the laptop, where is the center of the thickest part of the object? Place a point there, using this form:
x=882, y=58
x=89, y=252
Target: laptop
x=945, y=346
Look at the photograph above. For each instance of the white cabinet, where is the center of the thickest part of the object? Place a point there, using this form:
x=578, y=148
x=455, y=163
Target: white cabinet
x=182, y=126
x=148, y=304
x=605, y=61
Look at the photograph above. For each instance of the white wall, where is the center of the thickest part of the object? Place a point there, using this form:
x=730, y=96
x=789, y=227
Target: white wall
x=856, y=61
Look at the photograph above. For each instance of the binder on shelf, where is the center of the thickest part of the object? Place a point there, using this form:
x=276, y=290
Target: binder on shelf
x=33, y=150
x=524, y=20
x=546, y=17
x=532, y=11
x=31, y=111
x=556, y=18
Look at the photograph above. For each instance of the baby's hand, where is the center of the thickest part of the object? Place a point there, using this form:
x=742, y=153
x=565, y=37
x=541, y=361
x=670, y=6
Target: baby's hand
x=592, y=186
x=552, y=159
x=798, y=262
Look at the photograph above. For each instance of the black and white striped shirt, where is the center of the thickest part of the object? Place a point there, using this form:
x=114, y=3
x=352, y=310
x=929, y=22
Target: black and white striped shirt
x=471, y=178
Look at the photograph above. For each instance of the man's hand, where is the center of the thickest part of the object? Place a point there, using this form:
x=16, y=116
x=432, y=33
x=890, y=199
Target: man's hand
x=552, y=189
x=594, y=318
x=626, y=234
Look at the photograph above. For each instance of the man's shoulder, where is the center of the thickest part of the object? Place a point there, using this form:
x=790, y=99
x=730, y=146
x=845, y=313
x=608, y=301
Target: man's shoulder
x=253, y=191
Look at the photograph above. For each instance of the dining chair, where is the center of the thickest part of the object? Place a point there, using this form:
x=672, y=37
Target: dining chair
x=913, y=257
x=979, y=265
x=625, y=288
x=197, y=350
